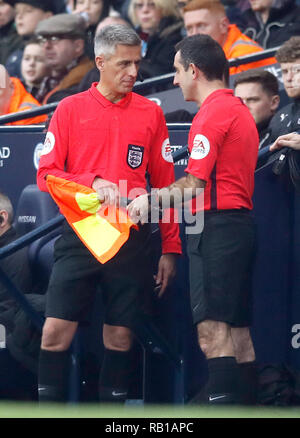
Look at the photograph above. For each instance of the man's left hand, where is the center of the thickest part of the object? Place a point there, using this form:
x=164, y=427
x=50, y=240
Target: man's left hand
x=166, y=273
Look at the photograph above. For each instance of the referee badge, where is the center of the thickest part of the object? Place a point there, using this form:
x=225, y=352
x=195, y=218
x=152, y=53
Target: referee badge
x=135, y=156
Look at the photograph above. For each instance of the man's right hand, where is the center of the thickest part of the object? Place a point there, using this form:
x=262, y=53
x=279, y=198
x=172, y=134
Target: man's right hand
x=291, y=140
x=108, y=192
x=138, y=209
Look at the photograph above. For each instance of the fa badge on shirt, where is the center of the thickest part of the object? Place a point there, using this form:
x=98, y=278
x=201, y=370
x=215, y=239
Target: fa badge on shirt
x=135, y=156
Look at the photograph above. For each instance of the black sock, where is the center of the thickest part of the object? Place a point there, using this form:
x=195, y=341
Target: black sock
x=115, y=376
x=53, y=378
x=248, y=382
x=222, y=385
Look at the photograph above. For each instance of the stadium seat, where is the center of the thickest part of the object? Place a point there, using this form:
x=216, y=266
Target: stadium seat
x=36, y=208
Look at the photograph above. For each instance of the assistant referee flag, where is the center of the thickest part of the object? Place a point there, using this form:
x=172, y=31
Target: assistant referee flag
x=103, y=230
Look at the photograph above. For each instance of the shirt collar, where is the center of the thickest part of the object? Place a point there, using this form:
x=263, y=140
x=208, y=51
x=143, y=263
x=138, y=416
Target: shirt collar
x=105, y=102
x=217, y=93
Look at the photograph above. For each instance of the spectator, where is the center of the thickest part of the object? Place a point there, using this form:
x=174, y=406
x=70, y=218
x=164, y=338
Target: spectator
x=33, y=66
x=62, y=37
x=232, y=8
x=23, y=339
x=272, y=22
x=93, y=12
x=159, y=26
x=209, y=17
x=14, y=98
x=259, y=90
x=287, y=119
x=9, y=38
x=28, y=15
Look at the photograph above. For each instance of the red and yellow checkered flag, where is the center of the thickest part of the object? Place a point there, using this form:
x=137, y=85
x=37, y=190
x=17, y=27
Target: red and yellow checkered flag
x=103, y=230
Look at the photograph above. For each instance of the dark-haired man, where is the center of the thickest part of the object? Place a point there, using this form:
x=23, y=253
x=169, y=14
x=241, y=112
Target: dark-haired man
x=259, y=90
x=223, y=145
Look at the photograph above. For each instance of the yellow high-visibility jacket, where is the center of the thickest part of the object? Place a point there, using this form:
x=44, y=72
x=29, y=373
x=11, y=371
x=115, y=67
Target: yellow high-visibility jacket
x=21, y=100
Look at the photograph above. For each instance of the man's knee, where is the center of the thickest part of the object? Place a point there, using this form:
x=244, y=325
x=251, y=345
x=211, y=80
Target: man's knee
x=117, y=338
x=243, y=345
x=205, y=336
x=214, y=338
x=58, y=334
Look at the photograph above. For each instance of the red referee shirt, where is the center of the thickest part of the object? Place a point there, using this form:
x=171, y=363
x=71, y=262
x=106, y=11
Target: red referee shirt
x=90, y=136
x=223, y=145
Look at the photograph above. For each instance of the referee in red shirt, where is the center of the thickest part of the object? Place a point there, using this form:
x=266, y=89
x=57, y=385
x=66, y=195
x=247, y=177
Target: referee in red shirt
x=107, y=138
x=223, y=146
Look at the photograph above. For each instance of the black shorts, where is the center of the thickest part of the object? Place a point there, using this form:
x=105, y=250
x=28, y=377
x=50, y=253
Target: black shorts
x=221, y=263
x=126, y=281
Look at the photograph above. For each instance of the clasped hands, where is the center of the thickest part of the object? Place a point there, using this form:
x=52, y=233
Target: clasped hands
x=109, y=194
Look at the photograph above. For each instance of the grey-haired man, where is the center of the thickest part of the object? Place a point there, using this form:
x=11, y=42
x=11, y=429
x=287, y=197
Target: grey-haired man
x=99, y=138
